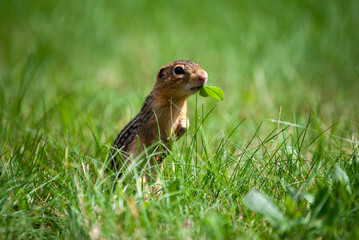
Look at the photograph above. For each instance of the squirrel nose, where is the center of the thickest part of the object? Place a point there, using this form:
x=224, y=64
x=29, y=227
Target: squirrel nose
x=203, y=78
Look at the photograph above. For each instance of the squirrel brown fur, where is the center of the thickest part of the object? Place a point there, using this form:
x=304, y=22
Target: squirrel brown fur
x=163, y=114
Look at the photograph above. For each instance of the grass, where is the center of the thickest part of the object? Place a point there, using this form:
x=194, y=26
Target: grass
x=277, y=159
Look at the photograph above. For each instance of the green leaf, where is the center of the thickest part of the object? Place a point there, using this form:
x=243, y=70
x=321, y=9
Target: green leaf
x=214, y=92
x=340, y=176
x=261, y=204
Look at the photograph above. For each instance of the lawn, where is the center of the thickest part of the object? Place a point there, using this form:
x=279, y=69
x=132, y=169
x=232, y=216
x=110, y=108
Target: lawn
x=277, y=159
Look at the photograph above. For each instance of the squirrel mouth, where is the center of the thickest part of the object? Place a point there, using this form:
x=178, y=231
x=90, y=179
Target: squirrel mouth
x=196, y=89
x=202, y=82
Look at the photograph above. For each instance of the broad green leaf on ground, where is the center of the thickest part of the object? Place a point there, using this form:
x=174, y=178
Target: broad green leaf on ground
x=214, y=92
x=261, y=204
x=341, y=176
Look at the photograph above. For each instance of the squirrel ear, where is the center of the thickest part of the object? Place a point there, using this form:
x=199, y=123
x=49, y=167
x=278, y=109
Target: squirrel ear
x=160, y=73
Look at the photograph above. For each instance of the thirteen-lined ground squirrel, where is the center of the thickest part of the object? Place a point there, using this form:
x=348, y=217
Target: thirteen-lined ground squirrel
x=163, y=114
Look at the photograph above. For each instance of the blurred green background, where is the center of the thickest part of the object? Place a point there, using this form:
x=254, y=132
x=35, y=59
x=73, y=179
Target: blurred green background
x=61, y=61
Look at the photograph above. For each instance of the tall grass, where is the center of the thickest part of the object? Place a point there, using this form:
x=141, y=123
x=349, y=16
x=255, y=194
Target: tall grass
x=278, y=158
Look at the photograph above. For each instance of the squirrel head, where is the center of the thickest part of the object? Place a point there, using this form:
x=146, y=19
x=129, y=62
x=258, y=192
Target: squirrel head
x=180, y=79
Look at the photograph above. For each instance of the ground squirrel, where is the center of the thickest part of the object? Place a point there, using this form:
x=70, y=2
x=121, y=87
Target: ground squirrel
x=163, y=114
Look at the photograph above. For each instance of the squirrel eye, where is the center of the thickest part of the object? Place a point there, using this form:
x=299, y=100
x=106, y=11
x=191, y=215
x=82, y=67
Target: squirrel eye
x=179, y=70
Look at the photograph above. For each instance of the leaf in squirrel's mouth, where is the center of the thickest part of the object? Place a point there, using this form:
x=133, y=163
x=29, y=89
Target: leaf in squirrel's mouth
x=214, y=92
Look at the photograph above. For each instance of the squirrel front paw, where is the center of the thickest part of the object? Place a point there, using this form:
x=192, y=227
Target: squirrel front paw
x=182, y=127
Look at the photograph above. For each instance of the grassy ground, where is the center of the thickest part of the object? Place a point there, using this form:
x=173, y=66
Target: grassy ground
x=278, y=158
